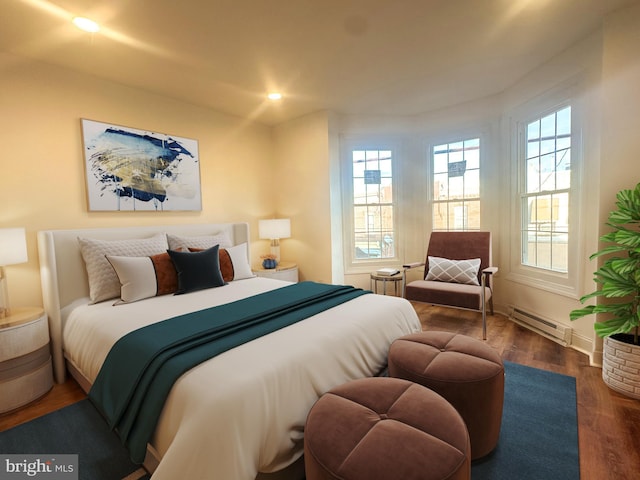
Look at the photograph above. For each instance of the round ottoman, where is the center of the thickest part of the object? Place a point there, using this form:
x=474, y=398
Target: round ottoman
x=465, y=371
x=385, y=428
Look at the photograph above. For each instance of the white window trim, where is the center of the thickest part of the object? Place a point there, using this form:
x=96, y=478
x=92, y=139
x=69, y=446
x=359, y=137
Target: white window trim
x=448, y=139
x=348, y=144
x=566, y=284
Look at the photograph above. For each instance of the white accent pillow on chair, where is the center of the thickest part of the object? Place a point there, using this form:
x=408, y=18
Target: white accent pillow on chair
x=454, y=271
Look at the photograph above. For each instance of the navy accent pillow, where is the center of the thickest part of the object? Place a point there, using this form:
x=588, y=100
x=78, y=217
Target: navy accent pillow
x=197, y=270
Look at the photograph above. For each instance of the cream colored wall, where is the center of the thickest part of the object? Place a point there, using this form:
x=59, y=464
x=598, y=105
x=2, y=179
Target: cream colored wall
x=620, y=144
x=43, y=179
x=412, y=136
x=579, y=69
x=607, y=66
x=301, y=190
x=610, y=70
x=620, y=165
x=251, y=171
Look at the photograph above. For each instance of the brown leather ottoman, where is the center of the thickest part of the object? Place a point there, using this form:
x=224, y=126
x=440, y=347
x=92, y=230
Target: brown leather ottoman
x=465, y=371
x=385, y=428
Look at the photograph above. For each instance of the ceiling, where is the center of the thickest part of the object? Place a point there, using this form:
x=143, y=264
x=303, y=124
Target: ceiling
x=378, y=57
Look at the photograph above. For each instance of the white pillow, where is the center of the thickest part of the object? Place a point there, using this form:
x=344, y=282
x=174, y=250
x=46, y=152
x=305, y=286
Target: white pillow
x=177, y=242
x=103, y=281
x=241, y=267
x=144, y=277
x=454, y=271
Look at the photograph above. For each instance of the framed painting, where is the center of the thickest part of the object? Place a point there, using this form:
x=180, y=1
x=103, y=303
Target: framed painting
x=138, y=170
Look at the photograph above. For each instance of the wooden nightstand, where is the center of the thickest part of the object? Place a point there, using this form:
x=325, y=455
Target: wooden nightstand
x=284, y=271
x=25, y=358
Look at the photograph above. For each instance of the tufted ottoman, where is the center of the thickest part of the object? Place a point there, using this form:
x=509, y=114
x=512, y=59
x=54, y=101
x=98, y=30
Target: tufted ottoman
x=465, y=371
x=385, y=428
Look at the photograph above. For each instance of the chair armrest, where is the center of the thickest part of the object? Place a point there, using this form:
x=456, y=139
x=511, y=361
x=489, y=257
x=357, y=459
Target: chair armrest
x=408, y=266
x=490, y=270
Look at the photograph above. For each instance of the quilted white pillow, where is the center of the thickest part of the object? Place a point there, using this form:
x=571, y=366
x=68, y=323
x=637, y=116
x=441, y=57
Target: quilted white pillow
x=202, y=242
x=454, y=271
x=103, y=281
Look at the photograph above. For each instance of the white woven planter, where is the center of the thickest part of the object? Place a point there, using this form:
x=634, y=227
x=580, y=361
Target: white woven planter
x=621, y=367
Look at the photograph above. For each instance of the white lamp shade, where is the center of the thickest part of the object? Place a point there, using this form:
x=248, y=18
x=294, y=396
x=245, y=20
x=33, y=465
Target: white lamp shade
x=13, y=246
x=274, y=228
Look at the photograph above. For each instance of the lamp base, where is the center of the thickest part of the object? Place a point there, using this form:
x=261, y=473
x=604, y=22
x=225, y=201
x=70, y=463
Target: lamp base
x=275, y=249
x=4, y=294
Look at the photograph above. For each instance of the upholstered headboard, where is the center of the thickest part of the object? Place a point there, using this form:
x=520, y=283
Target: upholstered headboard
x=64, y=277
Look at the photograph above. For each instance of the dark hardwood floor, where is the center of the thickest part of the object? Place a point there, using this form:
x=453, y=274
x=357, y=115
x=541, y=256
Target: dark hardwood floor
x=59, y=396
x=608, y=423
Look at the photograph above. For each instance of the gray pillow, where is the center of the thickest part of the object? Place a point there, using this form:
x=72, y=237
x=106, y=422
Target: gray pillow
x=103, y=281
x=453, y=271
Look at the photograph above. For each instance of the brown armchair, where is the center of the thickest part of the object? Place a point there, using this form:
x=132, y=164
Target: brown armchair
x=452, y=282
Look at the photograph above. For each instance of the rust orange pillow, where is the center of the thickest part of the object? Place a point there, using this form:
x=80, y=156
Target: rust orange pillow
x=166, y=275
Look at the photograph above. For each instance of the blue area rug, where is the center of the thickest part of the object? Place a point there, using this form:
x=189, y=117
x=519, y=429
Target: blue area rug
x=538, y=438
x=76, y=429
x=539, y=433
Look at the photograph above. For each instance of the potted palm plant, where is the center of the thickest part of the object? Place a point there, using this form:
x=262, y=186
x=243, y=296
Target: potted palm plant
x=618, y=280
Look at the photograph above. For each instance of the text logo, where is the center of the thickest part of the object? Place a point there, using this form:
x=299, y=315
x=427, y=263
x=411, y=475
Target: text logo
x=45, y=466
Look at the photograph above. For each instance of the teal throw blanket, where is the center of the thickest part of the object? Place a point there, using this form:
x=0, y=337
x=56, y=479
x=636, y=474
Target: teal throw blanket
x=142, y=366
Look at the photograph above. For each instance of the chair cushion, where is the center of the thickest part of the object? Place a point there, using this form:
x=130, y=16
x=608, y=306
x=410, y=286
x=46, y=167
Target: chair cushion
x=442, y=293
x=453, y=271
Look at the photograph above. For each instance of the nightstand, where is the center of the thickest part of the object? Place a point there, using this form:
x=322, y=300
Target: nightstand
x=25, y=359
x=284, y=271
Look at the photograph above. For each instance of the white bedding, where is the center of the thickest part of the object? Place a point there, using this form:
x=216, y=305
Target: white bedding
x=243, y=412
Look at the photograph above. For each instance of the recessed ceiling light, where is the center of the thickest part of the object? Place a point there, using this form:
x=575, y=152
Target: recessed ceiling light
x=274, y=96
x=85, y=24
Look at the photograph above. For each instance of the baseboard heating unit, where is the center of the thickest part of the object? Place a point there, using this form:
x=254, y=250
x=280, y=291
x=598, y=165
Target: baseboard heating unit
x=548, y=328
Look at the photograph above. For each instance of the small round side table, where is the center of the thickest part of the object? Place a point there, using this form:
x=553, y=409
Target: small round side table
x=397, y=280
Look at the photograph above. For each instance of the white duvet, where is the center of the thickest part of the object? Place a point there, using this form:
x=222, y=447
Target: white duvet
x=243, y=412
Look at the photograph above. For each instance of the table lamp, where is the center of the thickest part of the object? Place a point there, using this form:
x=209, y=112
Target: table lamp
x=275, y=229
x=13, y=250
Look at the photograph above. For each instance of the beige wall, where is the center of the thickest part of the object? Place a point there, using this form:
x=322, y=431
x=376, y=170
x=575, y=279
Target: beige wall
x=251, y=171
x=42, y=168
x=301, y=190
x=579, y=70
x=620, y=165
x=412, y=135
x=607, y=68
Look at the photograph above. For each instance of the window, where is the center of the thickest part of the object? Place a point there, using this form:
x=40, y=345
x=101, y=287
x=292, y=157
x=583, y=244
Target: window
x=373, y=207
x=456, y=185
x=544, y=198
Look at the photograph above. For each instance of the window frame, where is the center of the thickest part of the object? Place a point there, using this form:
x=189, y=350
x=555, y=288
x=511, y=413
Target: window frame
x=564, y=283
x=450, y=139
x=527, y=195
x=353, y=264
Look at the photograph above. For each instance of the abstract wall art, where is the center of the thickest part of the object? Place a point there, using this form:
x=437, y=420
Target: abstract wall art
x=138, y=170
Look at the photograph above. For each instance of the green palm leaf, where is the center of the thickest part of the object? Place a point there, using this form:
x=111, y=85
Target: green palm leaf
x=625, y=266
x=628, y=238
x=619, y=276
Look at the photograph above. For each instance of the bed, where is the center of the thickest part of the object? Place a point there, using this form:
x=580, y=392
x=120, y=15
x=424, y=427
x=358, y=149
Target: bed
x=241, y=414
